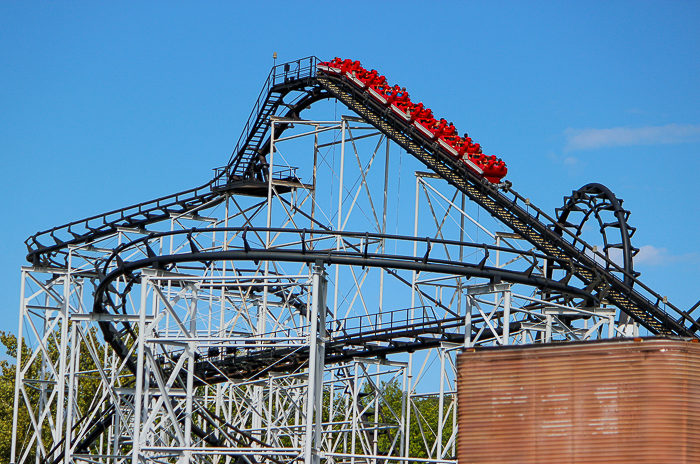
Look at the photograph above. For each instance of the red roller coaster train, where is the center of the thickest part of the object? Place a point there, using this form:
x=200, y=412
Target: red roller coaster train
x=420, y=117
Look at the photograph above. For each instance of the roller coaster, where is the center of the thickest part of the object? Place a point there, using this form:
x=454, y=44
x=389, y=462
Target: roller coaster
x=269, y=316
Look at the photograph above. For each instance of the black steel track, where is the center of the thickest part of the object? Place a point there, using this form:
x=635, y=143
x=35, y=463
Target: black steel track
x=543, y=232
x=593, y=200
x=543, y=236
x=539, y=229
x=343, y=346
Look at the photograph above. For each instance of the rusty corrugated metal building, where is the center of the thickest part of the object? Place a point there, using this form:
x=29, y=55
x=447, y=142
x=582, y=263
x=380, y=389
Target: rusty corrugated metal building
x=629, y=401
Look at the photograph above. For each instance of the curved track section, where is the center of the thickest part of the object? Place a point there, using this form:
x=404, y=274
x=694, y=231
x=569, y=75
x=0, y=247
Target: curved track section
x=345, y=345
x=538, y=228
x=289, y=89
x=593, y=202
x=93, y=228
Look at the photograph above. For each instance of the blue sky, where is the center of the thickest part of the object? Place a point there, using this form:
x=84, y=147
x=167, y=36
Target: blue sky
x=106, y=104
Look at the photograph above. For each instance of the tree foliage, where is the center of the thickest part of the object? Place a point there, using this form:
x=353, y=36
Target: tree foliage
x=424, y=413
x=38, y=389
x=384, y=405
x=8, y=372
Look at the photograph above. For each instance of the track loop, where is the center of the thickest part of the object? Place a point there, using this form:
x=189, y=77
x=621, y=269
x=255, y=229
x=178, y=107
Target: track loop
x=598, y=203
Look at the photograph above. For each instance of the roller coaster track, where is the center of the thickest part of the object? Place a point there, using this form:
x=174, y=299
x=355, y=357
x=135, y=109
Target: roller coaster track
x=545, y=238
x=551, y=238
x=399, y=331
x=44, y=247
x=526, y=220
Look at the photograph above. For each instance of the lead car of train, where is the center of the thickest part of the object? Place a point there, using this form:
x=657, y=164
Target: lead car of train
x=416, y=114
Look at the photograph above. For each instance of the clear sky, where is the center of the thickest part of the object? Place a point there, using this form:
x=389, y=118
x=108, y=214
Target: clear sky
x=106, y=104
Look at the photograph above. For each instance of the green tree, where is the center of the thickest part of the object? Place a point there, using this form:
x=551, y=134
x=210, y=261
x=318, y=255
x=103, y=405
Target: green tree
x=87, y=393
x=424, y=420
x=7, y=397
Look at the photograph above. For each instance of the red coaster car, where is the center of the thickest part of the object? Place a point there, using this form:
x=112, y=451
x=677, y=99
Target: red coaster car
x=403, y=110
x=473, y=148
x=355, y=78
x=425, y=126
x=347, y=66
x=443, y=128
x=378, y=92
x=397, y=94
x=353, y=70
x=492, y=168
x=370, y=78
x=473, y=166
x=399, y=99
x=395, y=97
x=330, y=67
x=416, y=111
x=453, y=145
x=495, y=169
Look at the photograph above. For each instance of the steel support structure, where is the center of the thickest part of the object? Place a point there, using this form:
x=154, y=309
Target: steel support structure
x=283, y=321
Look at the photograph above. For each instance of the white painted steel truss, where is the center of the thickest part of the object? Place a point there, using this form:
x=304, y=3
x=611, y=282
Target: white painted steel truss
x=215, y=364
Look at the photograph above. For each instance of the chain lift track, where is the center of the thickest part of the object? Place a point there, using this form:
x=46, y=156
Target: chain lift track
x=546, y=238
x=557, y=240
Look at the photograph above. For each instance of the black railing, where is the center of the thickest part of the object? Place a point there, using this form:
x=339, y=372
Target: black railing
x=279, y=75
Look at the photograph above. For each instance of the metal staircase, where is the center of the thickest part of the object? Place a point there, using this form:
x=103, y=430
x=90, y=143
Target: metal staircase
x=282, y=80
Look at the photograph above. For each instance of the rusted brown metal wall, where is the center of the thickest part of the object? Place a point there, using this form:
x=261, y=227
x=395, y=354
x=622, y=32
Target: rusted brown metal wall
x=599, y=402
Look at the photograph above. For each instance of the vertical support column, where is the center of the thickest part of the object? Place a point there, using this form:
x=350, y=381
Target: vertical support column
x=105, y=437
x=45, y=372
x=461, y=255
x=258, y=390
x=140, y=355
x=383, y=242
x=222, y=319
x=355, y=412
x=409, y=390
x=340, y=211
x=262, y=313
x=506, y=317
x=468, y=323
x=403, y=427
x=343, y=128
x=498, y=251
x=70, y=409
x=190, y=351
x=331, y=410
x=117, y=412
x=270, y=399
x=269, y=177
x=317, y=352
x=441, y=401
x=63, y=350
x=381, y=289
x=313, y=180
x=261, y=327
x=18, y=368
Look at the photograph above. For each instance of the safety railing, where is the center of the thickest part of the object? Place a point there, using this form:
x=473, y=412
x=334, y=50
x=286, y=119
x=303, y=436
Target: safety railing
x=279, y=75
